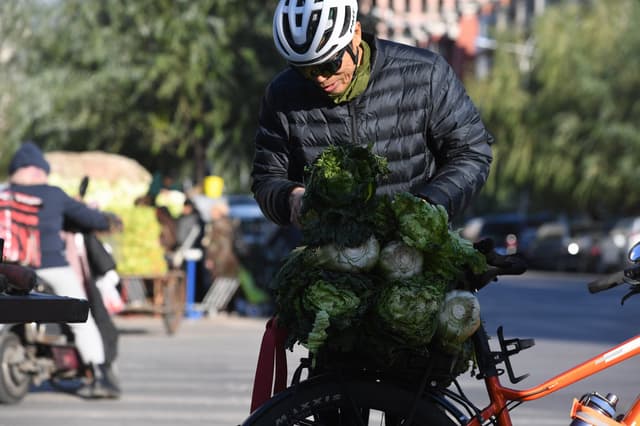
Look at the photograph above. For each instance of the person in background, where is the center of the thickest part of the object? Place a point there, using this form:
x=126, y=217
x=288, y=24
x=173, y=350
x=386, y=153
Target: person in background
x=222, y=261
x=190, y=229
x=159, y=183
x=343, y=86
x=167, y=223
x=29, y=170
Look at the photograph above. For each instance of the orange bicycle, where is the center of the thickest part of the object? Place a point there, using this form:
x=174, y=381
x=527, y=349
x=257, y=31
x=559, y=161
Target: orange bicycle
x=356, y=394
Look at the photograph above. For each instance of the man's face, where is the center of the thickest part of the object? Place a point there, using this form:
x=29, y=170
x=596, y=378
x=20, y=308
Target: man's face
x=344, y=65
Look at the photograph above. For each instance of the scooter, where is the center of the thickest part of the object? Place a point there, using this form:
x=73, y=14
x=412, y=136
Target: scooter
x=33, y=353
x=39, y=353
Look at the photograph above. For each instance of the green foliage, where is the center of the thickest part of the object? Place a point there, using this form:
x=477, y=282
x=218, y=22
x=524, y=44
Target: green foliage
x=568, y=131
x=166, y=82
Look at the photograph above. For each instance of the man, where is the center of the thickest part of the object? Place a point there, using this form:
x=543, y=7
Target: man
x=346, y=87
x=29, y=172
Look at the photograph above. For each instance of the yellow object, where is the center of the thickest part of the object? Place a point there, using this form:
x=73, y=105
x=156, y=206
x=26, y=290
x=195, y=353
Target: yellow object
x=213, y=186
x=172, y=199
x=136, y=248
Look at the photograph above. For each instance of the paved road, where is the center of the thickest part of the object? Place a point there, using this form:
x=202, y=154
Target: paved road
x=200, y=376
x=203, y=374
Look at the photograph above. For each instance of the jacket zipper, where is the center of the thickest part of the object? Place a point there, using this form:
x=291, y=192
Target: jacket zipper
x=354, y=131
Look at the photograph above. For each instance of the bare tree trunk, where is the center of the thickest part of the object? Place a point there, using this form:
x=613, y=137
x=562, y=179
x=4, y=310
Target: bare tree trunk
x=199, y=162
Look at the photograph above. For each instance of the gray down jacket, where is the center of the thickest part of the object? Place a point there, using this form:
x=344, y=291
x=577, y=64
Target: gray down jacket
x=414, y=111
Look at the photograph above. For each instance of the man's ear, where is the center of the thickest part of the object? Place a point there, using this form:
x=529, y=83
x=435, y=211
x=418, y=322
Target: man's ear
x=357, y=34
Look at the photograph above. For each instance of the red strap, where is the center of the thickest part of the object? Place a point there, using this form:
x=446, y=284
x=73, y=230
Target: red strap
x=272, y=353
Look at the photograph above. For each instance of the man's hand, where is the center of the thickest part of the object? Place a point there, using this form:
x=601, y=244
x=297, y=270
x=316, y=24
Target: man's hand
x=295, y=205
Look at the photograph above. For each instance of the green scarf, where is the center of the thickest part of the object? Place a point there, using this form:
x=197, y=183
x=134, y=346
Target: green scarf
x=359, y=81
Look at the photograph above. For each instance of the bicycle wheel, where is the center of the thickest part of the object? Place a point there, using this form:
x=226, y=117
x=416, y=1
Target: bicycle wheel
x=325, y=401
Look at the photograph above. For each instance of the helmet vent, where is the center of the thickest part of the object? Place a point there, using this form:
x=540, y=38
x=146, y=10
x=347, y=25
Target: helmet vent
x=347, y=22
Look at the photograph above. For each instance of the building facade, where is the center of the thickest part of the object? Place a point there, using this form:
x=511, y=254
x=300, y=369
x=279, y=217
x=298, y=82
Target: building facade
x=458, y=29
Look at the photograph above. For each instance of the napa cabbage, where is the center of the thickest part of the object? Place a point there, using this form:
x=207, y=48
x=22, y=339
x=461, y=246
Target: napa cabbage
x=338, y=206
x=398, y=260
x=458, y=319
x=349, y=259
x=410, y=307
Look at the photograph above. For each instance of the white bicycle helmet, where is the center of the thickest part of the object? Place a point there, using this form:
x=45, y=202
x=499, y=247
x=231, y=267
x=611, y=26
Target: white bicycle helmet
x=309, y=32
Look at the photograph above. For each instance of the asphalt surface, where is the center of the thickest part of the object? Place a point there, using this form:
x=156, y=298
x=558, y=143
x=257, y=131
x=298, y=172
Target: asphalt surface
x=203, y=374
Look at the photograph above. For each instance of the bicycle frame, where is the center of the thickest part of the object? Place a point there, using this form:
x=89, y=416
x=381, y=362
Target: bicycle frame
x=500, y=395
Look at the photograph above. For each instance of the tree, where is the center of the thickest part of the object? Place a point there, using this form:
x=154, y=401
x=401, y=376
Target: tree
x=568, y=132
x=173, y=84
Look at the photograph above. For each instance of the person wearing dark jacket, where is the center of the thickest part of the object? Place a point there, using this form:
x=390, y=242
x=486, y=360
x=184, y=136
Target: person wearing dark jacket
x=346, y=87
x=29, y=170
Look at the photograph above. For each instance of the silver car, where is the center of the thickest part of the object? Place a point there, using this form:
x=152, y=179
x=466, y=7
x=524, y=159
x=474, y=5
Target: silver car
x=615, y=247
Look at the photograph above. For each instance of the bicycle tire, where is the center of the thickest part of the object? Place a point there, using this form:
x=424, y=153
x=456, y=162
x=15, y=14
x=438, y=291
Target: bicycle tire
x=308, y=402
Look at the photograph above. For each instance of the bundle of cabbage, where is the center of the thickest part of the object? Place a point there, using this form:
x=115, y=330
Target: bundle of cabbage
x=373, y=271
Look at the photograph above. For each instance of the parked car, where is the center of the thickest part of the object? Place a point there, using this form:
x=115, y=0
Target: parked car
x=253, y=228
x=617, y=243
x=260, y=244
x=566, y=246
x=511, y=232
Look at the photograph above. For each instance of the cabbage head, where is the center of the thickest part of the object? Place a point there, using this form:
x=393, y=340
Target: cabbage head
x=410, y=307
x=349, y=259
x=343, y=175
x=337, y=305
x=463, y=250
x=398, y=260
x=459, y=318
x=455, y=258
x=422, y=225
x=337, y=301
x=302, y=288
x=339, y=203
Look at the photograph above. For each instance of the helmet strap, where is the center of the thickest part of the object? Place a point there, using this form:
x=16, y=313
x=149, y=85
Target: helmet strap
x=354, y=57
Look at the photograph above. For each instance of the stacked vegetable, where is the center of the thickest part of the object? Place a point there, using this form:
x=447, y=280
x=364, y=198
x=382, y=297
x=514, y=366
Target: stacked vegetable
x=136, y=247
x=375, y=274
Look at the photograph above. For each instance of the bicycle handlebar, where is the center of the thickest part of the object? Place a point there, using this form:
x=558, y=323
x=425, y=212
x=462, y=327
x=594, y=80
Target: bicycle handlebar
x=607, y=282
x=629, y=276
x=499, y=264
x=16, y=279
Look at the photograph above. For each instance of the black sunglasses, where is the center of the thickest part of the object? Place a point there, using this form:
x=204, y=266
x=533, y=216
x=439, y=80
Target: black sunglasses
x=325, y=69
